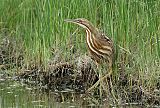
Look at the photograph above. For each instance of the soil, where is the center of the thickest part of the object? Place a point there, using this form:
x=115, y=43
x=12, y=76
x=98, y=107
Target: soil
x=72, y=76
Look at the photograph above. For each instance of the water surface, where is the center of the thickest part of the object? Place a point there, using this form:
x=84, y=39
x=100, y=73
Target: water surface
x=17, y=95
x=14, y=94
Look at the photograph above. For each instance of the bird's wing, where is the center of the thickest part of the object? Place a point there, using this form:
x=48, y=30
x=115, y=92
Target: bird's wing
x=104, y=40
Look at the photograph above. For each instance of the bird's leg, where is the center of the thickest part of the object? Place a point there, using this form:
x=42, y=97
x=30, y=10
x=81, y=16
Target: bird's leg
x=100, y=79
x=109, y=80
x=96, y=84
x=99, y=69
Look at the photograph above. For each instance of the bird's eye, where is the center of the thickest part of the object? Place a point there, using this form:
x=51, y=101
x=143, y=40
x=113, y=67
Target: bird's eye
x=79, y=21
x=108, y=39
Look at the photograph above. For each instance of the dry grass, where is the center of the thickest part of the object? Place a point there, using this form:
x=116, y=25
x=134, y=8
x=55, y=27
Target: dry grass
x=34, y=37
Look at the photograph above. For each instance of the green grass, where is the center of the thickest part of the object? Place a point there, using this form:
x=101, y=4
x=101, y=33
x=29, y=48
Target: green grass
x=134, y=26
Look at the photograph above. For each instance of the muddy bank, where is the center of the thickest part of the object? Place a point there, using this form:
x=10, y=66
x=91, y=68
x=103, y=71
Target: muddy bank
x=62, y=78
x=75, y=76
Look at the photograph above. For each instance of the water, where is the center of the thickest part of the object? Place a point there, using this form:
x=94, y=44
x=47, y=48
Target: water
x=14, y=94
x=17, y=95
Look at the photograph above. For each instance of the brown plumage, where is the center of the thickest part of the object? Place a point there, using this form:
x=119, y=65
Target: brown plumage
x=100, y=46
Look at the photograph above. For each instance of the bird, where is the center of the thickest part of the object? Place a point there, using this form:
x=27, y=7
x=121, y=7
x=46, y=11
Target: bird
x=100, y=46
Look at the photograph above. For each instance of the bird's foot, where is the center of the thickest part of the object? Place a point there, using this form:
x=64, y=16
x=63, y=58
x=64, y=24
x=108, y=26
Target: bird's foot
x=100, y=79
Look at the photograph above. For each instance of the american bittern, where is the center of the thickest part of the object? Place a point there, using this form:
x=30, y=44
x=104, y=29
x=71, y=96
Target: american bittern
x=100, y=46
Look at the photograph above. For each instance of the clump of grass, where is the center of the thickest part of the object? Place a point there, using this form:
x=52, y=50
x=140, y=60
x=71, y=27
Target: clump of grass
x=133, y=25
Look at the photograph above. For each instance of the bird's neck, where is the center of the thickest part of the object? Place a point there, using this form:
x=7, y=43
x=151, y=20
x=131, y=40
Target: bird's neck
x=90, y=37
x=90, y=40
x=89, y=34
x=92, y=30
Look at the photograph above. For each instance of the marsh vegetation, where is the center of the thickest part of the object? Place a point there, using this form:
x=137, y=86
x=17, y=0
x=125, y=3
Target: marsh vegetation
x=36, y=45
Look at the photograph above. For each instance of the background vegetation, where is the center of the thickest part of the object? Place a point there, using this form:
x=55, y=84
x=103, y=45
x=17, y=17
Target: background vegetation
x=38, y=28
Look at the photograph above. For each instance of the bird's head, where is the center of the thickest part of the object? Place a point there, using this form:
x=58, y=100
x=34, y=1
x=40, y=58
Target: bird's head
x=81, y=22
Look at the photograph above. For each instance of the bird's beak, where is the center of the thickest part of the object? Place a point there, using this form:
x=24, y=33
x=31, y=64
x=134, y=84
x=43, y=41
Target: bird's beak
x=75, y=21
x=70, y=20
